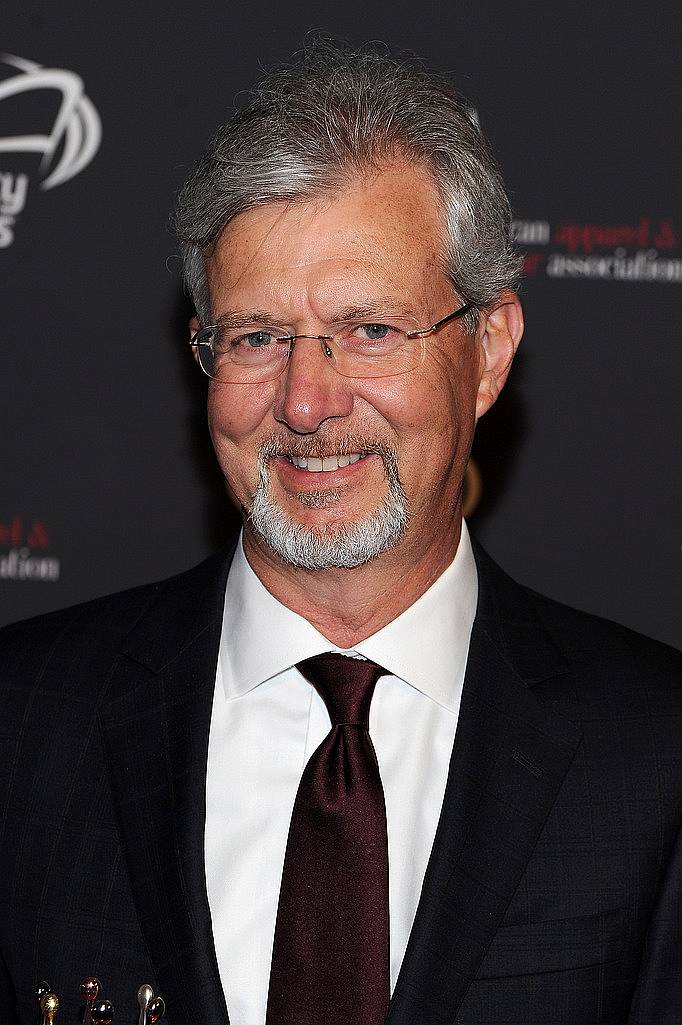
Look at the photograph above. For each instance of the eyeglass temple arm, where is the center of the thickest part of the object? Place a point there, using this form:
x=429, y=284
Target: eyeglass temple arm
x=195, y=340
x=441, y=323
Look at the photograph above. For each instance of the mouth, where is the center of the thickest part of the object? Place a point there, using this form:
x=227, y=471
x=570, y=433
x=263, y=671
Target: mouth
x=325, y=464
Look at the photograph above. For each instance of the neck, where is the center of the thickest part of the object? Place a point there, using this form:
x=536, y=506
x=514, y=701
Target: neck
x=348, y=605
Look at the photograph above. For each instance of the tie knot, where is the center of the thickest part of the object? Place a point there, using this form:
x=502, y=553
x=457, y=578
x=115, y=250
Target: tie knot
x=345, y=685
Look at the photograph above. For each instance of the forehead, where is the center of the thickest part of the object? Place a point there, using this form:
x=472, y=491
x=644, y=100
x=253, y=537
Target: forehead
x=382, y=232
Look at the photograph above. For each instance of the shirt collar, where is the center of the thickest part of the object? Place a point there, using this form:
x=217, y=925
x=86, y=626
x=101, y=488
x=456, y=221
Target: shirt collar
x=426, y=645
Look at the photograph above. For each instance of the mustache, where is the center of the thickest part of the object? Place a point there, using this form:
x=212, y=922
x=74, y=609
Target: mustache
x=320, y=447
x=346, y=444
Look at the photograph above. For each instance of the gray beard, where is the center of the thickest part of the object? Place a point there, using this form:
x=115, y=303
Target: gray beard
x=337, y=546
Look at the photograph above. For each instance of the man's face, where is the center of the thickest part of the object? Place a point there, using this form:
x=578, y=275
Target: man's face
x=373, y=245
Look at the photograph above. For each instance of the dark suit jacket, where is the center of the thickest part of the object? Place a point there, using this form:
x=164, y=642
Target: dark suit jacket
x=550, y=894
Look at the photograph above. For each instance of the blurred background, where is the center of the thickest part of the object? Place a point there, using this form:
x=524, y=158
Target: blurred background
x=107, y=472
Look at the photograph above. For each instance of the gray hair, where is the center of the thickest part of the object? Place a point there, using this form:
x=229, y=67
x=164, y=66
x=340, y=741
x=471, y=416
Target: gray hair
x=310, y=126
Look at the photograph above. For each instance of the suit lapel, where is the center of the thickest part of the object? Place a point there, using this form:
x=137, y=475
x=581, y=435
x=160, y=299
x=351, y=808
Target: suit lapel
x=509, y=759
x=156, y=726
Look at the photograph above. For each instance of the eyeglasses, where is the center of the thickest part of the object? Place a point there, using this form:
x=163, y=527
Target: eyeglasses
x=256, y=353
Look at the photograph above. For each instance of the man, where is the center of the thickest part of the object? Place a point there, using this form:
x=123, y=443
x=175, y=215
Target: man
x=347, y=771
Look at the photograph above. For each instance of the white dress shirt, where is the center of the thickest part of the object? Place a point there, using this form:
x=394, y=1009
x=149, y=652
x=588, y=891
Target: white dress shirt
x=266, y=722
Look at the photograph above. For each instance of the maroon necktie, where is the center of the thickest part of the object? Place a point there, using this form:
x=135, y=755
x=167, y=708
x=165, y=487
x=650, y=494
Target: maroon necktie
x=330, y=961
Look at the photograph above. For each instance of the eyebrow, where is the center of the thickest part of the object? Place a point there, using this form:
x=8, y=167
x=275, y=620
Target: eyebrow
x=386, y=307
x=231, y=318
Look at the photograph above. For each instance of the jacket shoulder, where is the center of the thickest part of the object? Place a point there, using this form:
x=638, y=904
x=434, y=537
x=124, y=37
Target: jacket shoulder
x=601, y=643
x=608, y=668
x=87, y=633
x=620, y=685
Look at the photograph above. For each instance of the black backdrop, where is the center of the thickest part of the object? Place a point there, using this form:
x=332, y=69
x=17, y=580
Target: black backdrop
x=107, y=479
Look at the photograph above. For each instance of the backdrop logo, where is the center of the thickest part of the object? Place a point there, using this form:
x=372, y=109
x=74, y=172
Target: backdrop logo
x=67, y=146
x=644, y=249
x=26, y=555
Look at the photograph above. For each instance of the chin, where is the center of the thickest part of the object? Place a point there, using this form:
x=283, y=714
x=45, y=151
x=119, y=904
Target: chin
x=335, y=544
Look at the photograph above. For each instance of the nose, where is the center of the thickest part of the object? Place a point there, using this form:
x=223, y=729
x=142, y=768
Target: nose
x=310, y=389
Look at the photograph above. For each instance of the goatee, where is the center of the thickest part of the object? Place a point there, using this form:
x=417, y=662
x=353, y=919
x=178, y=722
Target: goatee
x=338, y=545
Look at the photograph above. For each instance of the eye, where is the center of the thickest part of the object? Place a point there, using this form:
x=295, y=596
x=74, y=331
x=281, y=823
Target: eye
x=374, y=332
x=255, y=339
x=370, y=340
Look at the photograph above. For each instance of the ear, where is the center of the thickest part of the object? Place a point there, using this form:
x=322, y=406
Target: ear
x=499, y=334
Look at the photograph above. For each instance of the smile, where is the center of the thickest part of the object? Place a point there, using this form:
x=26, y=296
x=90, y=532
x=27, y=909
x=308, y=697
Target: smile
x=315, y=464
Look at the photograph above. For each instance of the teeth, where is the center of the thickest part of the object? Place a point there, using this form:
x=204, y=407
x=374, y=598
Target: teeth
x=316, y=465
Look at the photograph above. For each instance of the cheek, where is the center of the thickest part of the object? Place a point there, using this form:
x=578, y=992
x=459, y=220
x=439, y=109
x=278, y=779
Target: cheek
x=236, y=423
x=422, y=409
x=454, y=388
x=236, y=414
x=432, y=417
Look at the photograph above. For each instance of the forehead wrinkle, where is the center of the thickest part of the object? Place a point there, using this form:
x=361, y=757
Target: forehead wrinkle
x=335, y=301
x=222, y=262
x=256, y=250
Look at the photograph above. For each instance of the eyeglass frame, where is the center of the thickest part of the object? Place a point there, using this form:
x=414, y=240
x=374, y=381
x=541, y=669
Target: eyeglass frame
x=292, y=339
